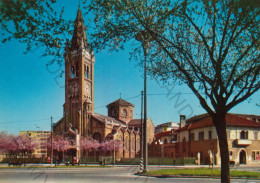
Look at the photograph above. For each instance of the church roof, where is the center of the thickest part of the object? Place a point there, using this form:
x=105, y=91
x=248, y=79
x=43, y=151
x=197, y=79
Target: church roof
x=79, y=38
x=107, y=119
x=120, y=102
x=134, y=122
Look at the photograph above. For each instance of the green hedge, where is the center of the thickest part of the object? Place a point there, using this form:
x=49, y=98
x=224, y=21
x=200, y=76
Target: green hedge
x=159, y=161
x=26, y=160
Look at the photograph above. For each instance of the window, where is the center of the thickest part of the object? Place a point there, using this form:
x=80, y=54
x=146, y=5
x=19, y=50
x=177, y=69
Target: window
x=124, y=112
x=86, y=71
x=256, y=135
x=73, y=72
x=192, y=137
x=230, y=154
x=210, y=134
x=126, y=143
x=244, y=134
x=165, y=141
x=133, y=143
x=138, y=144
x=97, y=136
x=201, y=136
x=255, y=155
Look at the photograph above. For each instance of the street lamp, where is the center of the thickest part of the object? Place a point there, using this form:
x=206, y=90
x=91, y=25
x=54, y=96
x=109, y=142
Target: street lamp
x=145, y=38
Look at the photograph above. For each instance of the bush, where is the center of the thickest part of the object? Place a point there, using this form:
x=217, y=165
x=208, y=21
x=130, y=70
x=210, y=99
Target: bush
x=25, y=160
x=127, y=161
x=88, y=159
x=159, y=161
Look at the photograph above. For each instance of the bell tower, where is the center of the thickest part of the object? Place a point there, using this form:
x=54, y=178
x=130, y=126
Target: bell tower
x=79, y=81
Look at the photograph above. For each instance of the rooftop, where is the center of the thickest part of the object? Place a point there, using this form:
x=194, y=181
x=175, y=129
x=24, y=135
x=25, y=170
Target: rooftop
x=120, y=102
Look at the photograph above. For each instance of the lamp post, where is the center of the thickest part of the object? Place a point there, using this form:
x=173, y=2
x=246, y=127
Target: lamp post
x=144, y=37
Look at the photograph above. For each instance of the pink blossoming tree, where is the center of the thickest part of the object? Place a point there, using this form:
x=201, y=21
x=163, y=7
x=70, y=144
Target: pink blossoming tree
x=60, y=144
x=88, y=145
x=111, y=145
x=16, y=145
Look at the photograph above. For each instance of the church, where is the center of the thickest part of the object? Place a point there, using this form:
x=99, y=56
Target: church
x=79, y=118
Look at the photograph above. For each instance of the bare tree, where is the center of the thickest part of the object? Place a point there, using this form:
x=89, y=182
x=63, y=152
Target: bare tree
x=212, y=46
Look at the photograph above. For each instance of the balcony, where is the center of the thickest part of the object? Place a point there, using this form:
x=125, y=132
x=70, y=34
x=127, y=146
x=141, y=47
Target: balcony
x=243, y=142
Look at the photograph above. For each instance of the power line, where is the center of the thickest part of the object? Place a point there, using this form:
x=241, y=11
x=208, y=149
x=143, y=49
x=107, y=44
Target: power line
x=124, y=99
x=170, y=93
x=45, y=119
x=152, y=94
x=24, y=121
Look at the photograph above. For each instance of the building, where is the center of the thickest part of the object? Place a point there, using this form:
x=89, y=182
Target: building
x=166, y=127
x=41, y=138
x=164, y=145
x=197, y=137
x=79, y=118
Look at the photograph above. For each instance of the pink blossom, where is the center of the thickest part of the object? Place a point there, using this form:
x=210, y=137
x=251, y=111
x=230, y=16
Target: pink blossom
x=15, y=144
x=111, y=145
x=60, y=144
x=88, y=144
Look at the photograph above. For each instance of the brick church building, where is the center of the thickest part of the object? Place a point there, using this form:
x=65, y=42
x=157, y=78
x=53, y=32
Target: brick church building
x=79, y=118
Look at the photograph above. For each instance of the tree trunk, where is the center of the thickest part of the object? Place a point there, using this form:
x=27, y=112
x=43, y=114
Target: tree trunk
x=219, y=121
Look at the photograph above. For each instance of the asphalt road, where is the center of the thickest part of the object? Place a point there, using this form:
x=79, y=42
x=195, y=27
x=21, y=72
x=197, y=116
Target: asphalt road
x=93, y=175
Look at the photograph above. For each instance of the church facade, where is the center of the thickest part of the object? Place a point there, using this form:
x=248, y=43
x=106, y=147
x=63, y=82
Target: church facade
x=79, y=118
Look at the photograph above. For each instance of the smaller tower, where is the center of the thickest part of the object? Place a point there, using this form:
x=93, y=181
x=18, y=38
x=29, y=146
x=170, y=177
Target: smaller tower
x=121, y=110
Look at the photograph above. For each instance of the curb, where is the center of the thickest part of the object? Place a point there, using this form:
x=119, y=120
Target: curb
x=201, y=177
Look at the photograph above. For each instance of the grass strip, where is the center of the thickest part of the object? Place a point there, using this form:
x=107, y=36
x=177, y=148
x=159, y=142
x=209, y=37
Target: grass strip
x=201, y=172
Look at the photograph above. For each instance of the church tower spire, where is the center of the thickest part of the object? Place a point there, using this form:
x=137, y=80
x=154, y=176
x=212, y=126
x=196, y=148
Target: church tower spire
x=79, y=38
x=79, y=81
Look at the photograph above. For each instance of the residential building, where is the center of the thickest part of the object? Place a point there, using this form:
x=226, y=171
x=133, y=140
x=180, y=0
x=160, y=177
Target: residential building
x=165, y=144
x=197, y=137
x=40, y=138
x=164, y=127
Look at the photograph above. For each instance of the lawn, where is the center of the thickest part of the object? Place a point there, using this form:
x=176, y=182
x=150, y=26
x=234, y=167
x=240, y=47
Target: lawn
x=201, y=172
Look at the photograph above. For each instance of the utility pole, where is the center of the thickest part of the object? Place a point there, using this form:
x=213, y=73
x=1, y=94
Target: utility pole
x=142, y=133
x=145, y=111
x=51, y=142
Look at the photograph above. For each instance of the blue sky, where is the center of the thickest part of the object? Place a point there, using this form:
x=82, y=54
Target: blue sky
x=30, y=94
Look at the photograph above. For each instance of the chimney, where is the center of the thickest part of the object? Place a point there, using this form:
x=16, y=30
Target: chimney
x=182, y=120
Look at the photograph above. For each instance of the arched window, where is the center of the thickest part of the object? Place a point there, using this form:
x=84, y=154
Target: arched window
x=86, y=71
x=97, y=136
x=72, y=72
x=137, y=144
x=133, y=143
x=126, y=143
x=244, y=134
x=124, y=112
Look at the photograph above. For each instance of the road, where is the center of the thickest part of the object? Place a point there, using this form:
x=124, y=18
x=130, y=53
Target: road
x=113, y=174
